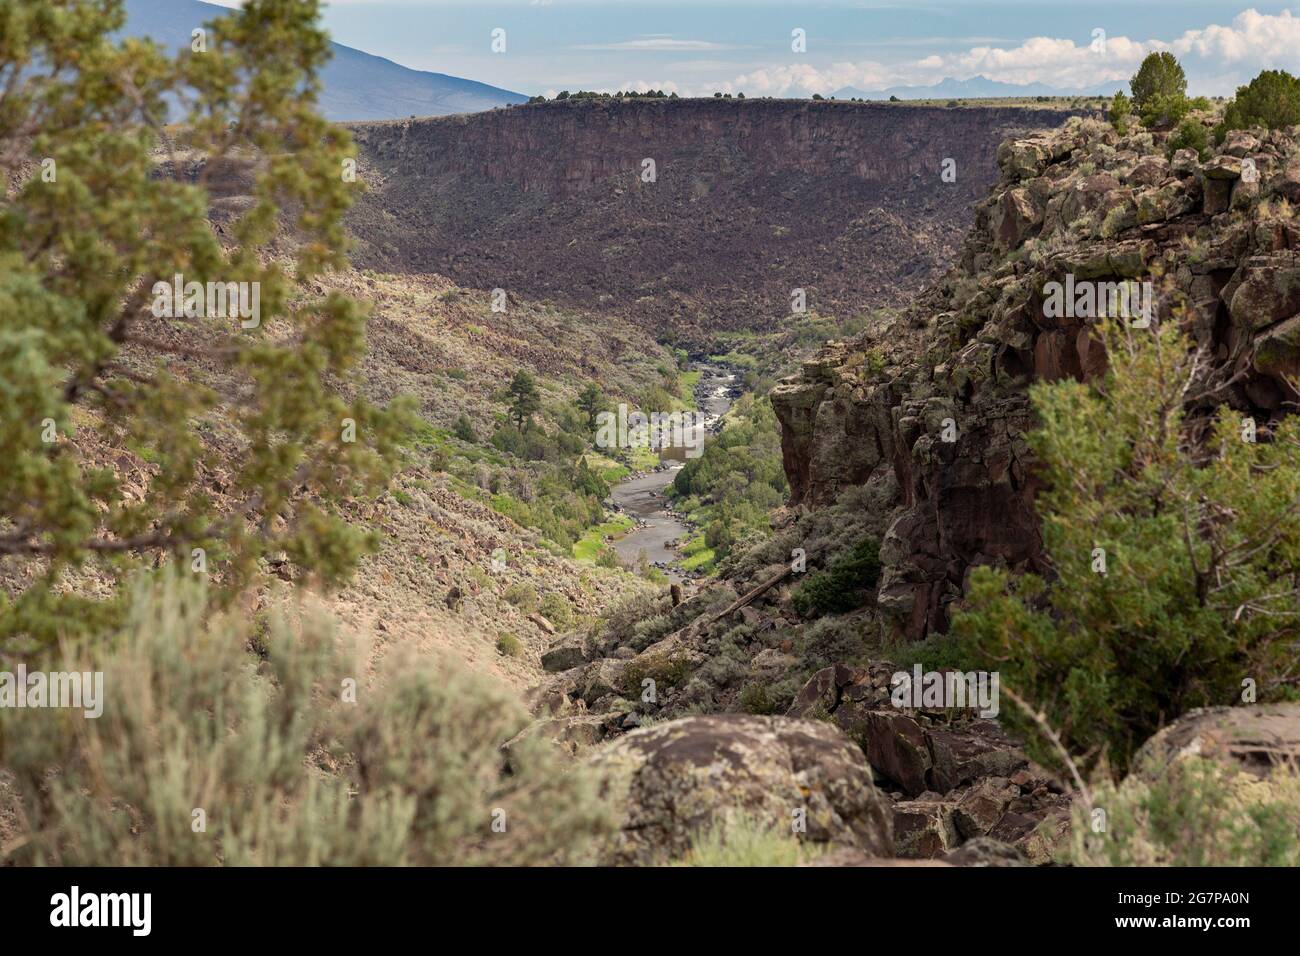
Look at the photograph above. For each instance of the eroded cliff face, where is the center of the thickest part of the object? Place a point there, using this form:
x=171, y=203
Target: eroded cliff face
x=932, y=409
x=750, y=199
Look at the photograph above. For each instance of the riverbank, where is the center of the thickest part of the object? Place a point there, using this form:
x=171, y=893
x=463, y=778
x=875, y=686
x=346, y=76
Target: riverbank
x=643, y=497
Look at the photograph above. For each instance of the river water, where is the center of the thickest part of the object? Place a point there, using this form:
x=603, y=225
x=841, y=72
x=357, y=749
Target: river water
x=643, y=496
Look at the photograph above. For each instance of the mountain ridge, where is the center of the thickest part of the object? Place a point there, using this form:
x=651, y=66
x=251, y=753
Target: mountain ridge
x=356, y=86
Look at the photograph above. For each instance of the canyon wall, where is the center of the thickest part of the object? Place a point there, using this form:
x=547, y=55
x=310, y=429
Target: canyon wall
x=750, y=199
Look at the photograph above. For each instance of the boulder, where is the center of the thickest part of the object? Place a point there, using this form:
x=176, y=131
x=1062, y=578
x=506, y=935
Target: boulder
x=569, y=652
x=668, y=781
x=1267, y=290
x=1254, y=738
x=924, y=829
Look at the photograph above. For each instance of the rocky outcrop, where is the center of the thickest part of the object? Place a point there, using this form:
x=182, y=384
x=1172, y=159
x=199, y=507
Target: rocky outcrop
x=668, y=782
x=953, y=777
x=748, y=201
x=932, y=407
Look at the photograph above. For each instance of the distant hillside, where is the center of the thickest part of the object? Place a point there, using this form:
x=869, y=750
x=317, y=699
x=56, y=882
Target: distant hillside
x=357, y=85
x=977, y=87
x=751, y=199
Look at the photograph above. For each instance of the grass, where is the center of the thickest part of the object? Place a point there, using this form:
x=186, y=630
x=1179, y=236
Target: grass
x=688, y=381
x=699, y=556
x=591, y=543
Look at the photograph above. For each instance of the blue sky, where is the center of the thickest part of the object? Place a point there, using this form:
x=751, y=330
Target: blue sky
x=696, y=48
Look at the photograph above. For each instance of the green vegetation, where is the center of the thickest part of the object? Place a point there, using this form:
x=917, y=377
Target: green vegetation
x=741, y=840
x=731, y=488
x=508, y=645
x=1196, y=812
x=292, y=759
x=1174, y=560
x=1160, y=90
x=525, y=401
x=841, y=587
x=1191, y=134
x=590, y=545
x=1271, y=100
x=84, y=240
x=1121, y=109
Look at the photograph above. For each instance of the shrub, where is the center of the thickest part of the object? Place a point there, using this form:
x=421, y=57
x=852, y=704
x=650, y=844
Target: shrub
x=1191, y=134
x=464, y=430
x=1195, y=812
x=1159, y=76
x=737, y=839
x=1271, y=100
x=557, y=609
x=287, y=770
x=1121, y=108
x=1174, y=560
x=522, y=596
x=843, y=586
x=755, y=699
x=508, y=645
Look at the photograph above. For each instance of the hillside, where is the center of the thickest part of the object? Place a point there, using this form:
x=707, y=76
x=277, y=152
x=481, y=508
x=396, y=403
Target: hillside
x=752, y=199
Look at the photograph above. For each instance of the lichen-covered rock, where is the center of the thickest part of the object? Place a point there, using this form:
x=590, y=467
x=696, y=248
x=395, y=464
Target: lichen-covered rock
x=668, y=781
x=924, y=829
x=1254, y=738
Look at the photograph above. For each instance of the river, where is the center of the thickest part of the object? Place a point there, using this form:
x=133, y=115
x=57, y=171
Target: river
x=643, y=497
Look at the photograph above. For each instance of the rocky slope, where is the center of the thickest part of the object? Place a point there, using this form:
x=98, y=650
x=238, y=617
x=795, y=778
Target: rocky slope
x=750, y=200
x=1222, y=251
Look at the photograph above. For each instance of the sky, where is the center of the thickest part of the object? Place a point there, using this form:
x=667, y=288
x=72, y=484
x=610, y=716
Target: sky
x=698, y=48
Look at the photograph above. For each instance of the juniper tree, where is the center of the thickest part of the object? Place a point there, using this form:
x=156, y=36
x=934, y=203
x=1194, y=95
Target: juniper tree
x=1174, y=540
x=129, y=437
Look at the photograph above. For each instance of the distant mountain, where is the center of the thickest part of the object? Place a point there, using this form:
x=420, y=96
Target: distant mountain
x=357, y=86
x=977, y=87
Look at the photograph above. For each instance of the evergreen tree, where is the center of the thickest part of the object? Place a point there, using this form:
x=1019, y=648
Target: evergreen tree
x=525, y=400
x=1176, y=561
x=106, y=206
x=591, y=401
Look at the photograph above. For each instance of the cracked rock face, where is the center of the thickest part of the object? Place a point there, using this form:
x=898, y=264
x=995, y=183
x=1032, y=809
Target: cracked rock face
x=669, y=781
x=931, y=405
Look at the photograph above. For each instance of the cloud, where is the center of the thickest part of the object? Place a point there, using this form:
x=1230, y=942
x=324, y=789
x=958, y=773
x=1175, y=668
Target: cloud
x=1218, y=57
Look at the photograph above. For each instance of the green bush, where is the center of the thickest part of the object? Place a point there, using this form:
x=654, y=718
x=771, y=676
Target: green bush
x=841, y=587
x=1271, y=100
x=81, y=252
x=1191, y=134
x=1195, y=812
x=557, y=609
x=287, y=767
x=1174, y=561
x=737, y=839
x=508, y=645
x=523, y=596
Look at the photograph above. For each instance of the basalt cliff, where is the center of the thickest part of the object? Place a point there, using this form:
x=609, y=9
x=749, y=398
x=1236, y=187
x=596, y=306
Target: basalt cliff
x=1215, y=237
x=687, y=215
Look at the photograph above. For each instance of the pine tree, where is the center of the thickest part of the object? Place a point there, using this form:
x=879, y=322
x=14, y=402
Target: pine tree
x=525, y=400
